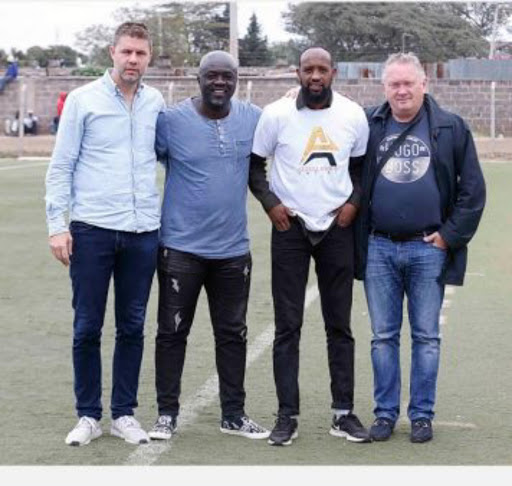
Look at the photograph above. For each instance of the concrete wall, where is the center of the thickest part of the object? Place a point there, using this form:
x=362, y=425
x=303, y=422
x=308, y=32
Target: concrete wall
x=471, y=99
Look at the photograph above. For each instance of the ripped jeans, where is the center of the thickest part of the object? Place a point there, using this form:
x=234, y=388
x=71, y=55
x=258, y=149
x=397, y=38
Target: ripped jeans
x=227, y=282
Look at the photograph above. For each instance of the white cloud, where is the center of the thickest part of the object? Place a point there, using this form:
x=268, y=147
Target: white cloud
x=24, y=23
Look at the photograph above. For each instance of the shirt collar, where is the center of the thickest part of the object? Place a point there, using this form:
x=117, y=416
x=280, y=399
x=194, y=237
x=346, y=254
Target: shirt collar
x=301, y=103
x=112, y=86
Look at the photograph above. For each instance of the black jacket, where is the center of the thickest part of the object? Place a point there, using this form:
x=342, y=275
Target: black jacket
x=458, y=175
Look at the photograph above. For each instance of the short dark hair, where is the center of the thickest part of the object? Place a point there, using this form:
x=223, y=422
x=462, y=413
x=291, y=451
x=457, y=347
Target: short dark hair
x=133, y=29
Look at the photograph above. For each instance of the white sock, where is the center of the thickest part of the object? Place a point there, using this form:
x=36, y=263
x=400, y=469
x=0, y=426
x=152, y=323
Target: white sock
x=340, y=413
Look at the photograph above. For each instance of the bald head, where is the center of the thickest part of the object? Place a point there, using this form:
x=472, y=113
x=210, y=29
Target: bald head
x=316, y=53
x=316, y=74
x=217, y=81
x=215, y=59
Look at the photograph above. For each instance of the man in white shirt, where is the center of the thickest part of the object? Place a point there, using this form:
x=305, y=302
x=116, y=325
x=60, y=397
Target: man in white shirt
x=317, y=142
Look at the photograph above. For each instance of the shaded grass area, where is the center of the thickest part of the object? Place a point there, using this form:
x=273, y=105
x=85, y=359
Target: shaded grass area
x=36, y=386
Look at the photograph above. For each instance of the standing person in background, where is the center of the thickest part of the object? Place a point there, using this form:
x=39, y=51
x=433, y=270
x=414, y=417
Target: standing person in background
x=103, y=169
x=204, y=240
x=317, y=142
x=423, y=197
x=60, y=106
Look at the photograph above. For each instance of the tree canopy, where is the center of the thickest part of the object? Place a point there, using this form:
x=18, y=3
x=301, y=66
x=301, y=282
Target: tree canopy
x=94, y=41
x=481, y=14
x=182, y=32
x=253, y=48
x=371, y=31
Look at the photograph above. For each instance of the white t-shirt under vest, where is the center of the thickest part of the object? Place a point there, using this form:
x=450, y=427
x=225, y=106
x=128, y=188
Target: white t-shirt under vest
x=311, y=151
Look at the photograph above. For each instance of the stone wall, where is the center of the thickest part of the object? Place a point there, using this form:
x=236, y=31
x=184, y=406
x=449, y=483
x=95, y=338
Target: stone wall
x=471, y=99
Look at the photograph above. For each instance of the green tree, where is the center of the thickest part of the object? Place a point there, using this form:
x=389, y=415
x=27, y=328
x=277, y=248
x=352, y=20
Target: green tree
x=371, y=31
x=288, y=51
x=253, y=48
x=184, y=32
x=41, y=56
x=66, y=54
x=37, y=55
x=94, y=41
x=481, y=14
x=181, y=31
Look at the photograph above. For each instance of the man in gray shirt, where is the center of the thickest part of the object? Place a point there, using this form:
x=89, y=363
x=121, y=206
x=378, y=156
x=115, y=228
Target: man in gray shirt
x=204, y=240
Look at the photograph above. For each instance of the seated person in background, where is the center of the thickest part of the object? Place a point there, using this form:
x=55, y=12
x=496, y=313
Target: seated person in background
x=10, y=74
x=30, y=123
x=15, y=124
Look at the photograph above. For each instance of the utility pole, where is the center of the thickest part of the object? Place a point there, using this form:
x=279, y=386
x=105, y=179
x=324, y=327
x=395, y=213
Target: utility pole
x=404, y=35
x=233, y=29
x=160, y=34
x=494, y=32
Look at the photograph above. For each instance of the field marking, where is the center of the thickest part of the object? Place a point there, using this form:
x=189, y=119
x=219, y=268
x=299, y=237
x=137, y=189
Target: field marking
x=437, y=423
x=32, y=158
x=443, y=319
x=146, y=455
x=23, y=166
x=461, y=425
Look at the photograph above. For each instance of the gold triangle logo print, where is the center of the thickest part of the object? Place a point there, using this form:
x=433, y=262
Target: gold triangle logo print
x=319, y=145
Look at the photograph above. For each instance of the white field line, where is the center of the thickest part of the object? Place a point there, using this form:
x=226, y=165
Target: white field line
x=146, y=455
x=438, y=423
x=449, y=290
x=33, y=158
x=23, y=166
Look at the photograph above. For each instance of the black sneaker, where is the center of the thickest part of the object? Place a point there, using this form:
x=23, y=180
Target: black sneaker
x=350, y=427
x=244, y=427
x=381, y=429
x=421, y=430
x=284, y=431
x=164, y=428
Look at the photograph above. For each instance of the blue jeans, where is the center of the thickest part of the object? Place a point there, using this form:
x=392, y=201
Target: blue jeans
x=99, y=254
x=395, y=269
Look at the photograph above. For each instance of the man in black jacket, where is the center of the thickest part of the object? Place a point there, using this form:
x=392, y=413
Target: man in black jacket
x=423, y=197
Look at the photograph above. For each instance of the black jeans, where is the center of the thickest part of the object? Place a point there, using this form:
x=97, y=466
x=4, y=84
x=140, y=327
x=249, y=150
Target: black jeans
x=334, y=261
x=226, y=281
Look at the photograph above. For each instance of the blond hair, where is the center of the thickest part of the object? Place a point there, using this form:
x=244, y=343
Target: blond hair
x=404, y=58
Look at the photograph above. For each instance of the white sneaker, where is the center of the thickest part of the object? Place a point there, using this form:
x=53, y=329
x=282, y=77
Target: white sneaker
x=85, y=430
x=127, y=428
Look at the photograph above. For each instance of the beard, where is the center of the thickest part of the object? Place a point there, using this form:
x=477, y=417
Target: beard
x=315, y=98
x=132, y=78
